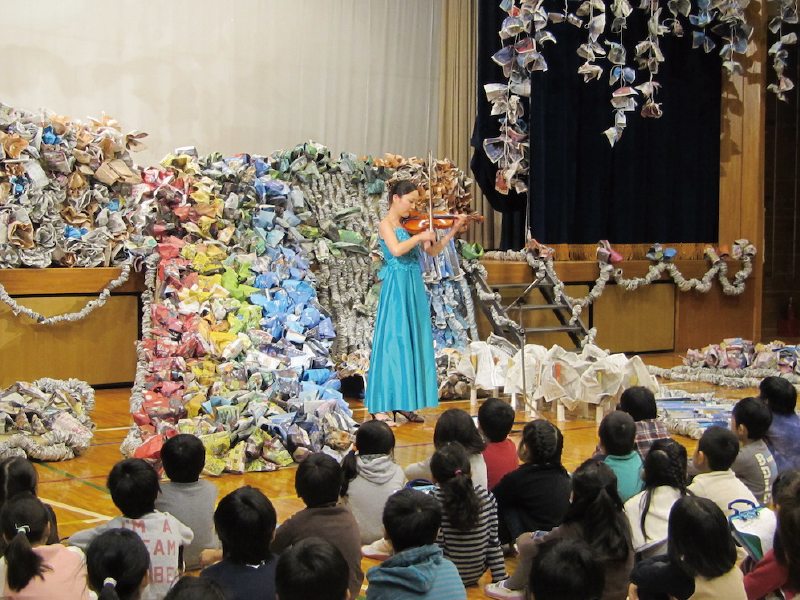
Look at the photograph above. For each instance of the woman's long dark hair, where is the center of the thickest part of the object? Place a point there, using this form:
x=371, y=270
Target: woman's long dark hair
x=372, y=437
x=451, y=470
x=455, y=425
x=23, y=521
x=597, y=507
x=665, y=464
x=401, y=187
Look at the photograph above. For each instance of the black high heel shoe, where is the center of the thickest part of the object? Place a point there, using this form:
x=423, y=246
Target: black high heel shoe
x=410, y=416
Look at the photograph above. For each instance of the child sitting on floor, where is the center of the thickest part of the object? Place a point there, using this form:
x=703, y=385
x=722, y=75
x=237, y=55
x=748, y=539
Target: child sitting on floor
x=18, y=475
x=754, y=465
x=701, y=561
x=245, y=521
x=783, y=437
x=716, y=451
x=370, y=477
x=640, y=403
x=664, y=478
x=186, y=497
x=468, y=535
x=30, y=568
x=418, y=570
x=534, y=497
x=617, y=434
x=596, y=517
x=317, y=482
x=455, y=425
x=495, y=420
x=779, y=568
x=312, y=569
x=117, y=565
x=133, y=484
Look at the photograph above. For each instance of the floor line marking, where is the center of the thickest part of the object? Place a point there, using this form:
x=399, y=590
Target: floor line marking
x=82, y=522
x=41, y=483
x=81, y=511
x=74, y=478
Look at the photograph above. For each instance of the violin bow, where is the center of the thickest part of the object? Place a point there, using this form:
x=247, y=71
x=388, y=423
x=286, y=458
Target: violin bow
x=430, y=190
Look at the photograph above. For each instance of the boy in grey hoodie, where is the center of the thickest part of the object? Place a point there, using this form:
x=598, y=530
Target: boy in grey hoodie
x=418, y=569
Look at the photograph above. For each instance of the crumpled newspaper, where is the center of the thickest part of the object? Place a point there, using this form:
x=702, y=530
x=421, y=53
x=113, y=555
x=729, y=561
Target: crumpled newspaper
x=68, y=190
x=46, y=420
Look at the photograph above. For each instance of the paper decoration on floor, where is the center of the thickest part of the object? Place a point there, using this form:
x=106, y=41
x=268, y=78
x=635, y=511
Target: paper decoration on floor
x=46, y=420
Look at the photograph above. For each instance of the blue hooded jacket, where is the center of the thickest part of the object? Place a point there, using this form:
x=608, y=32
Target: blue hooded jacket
x=421, y=572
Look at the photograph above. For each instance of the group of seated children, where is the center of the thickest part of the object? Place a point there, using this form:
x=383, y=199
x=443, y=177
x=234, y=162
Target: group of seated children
x=626, y=524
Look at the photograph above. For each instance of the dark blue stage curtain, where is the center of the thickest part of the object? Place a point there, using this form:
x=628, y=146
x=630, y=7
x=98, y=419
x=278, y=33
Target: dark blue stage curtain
x=661, y=180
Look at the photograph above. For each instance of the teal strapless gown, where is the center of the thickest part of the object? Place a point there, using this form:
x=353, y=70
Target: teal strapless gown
x=402, y=372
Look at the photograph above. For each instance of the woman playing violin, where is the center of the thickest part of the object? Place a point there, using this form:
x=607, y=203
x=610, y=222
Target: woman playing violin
x=402, y=373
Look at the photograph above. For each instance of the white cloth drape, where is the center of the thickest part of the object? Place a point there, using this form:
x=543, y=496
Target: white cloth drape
x=254, y=76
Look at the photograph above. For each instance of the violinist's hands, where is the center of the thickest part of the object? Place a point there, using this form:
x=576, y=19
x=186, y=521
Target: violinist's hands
x=461, y=223
x=427, y=236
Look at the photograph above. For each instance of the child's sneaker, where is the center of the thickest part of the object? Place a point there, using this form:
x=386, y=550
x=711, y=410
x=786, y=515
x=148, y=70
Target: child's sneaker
x=379, y=550
x=500, y=591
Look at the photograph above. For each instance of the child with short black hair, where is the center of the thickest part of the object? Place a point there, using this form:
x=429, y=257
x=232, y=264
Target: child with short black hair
x=754, y=465
x=495, y=420
x=535, y=496
x=468, y=535
x=370, y=477
x=783, y=437
x=245, y=521
x=312, y=569
x=617, y=434
x=716, y=451
x=565, y=570
x=701, y=562
x=640, y=403
x=418, y=570
x=133, y=484
x=318, y=481
x=187, y=497
x=30, y=568
x=117, y=565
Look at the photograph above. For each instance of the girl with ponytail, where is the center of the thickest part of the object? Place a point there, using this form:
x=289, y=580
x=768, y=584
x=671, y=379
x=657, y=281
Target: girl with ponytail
x=468, y=535
x=18, y=475
x=595, y=516
x=370, y=476
x=30, y=568
x=664, y=476
x=118, y=565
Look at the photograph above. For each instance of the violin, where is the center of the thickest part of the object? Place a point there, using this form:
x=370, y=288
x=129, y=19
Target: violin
x=417, y=222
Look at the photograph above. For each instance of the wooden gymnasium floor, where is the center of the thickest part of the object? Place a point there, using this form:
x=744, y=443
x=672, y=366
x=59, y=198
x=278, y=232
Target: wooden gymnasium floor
x=76, y=488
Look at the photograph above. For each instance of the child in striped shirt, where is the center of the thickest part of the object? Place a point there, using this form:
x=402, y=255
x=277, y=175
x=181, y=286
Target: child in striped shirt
x=468, y=536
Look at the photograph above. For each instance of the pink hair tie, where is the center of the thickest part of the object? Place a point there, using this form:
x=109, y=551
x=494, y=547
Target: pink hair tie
x=458, y=471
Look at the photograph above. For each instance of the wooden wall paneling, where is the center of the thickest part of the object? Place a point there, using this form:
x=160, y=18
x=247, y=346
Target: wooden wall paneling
x=641, y=320
x=35, y=282
x=99, y=349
